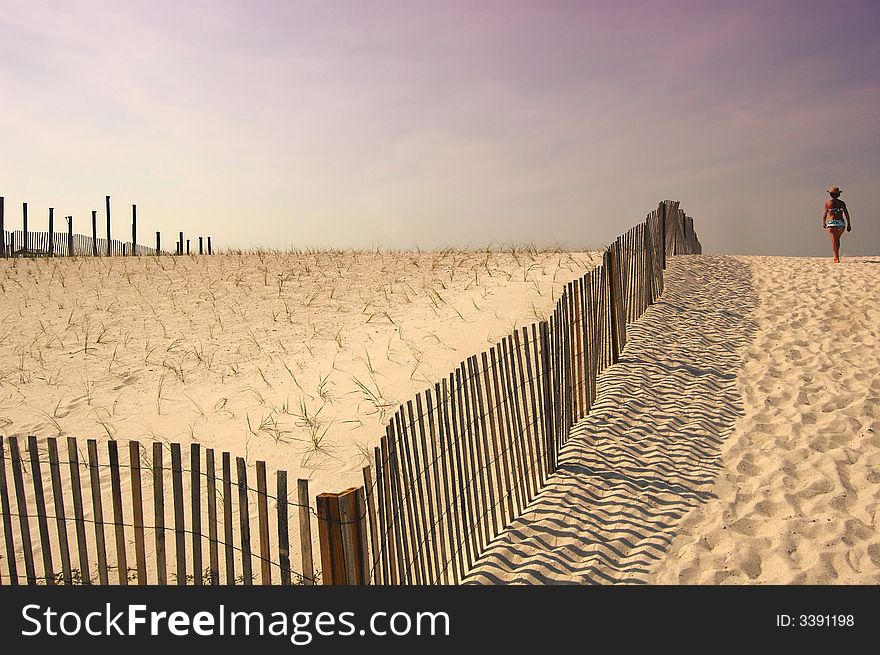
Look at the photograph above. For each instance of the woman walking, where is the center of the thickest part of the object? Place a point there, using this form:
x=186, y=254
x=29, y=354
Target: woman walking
x=832, y=219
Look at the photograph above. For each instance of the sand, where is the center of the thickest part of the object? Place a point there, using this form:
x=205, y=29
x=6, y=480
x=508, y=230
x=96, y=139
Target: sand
x=735, y=442
x=796, y=499
x=292, y=358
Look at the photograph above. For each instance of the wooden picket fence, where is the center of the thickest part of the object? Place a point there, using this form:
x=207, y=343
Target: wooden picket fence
x=211, y=521
x=460, y=461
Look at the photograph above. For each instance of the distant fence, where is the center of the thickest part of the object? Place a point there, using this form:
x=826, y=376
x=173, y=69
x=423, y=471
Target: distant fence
x=170, y=518
x=27, y=243
x=456, y=465
x=459, y=462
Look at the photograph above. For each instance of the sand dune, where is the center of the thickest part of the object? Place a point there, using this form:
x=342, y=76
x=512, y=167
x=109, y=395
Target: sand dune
x=293, y=358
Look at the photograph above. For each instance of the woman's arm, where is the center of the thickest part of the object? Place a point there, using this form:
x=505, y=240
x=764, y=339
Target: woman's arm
x=824, y=214
x=846, y=213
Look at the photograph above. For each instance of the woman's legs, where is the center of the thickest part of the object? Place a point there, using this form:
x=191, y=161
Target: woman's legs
x=836, y=233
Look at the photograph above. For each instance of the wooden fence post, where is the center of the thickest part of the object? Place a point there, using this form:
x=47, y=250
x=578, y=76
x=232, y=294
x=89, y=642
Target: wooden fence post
x=134, y=225
x=209, y=245
x=180, y=245
x=94, y=233
x=330, y=539
x=200, y=246
x=611, y=281
x=342, y=534
x=107, y=208
x=187, y=246
x=70, y=236
x=661, y=213
x=24, y=227
x=51, y=231
x=158, y=242
x=3, y=224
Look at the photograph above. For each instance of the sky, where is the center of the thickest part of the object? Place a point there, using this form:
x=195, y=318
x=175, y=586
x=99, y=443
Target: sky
x=403, y=124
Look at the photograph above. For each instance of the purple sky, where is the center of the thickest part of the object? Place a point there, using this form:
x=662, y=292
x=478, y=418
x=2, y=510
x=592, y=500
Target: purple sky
x=316, y=124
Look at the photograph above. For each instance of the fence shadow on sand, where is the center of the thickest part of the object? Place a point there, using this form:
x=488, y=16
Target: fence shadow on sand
x=650, y=449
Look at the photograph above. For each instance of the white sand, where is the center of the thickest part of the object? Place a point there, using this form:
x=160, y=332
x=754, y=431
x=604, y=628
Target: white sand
x=295, y=359
x=798, y=493
x=736, y=441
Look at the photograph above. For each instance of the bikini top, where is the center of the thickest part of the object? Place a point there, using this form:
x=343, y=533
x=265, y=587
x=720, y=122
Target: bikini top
x=835, y=210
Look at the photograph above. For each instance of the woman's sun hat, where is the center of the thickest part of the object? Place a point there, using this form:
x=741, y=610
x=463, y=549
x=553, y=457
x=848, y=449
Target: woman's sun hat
x=834, y=189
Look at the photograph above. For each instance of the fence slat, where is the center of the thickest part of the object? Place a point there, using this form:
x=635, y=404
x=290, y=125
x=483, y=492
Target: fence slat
x=134, y=457
x=263, y=521
x=8, y=538
x=21, y=502
x=426, y=464
x=501, y=483
x=283, y=533
x=411, y=454
x=244, y=521
x=361, y=514
x=511, y=488
x=524, y=384
x=451, y=482
x=305, y=531
x=515, y=420
x=440, y=536
x=98, y=510
x=385, y=550
x=472, y=473
x=533, y=380
x=464, y=510
x=410, y=542
x=394, y=549
x=40, y=500
x=213, y=550
x=474, y=432
x=159, y=514
x=195, y=461
x=228, y=550
x=372, y=574
x=177, y=496
x=118, y=518
x=400, y=536
x=78, y=517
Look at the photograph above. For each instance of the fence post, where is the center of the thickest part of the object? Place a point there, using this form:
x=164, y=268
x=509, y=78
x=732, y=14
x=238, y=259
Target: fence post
x=51, y=231
x=209, y=245
x=330, y=539
x=200, y=246
x=180, y=245
x=187, y=246
x=661, y=212
x=70, y=236
x=613, y=291
x=94, y=233
x=134, y=226
x=3, y=225
x=342, y=537
x=24, y=228
x=158, y=242
x=107, y=207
